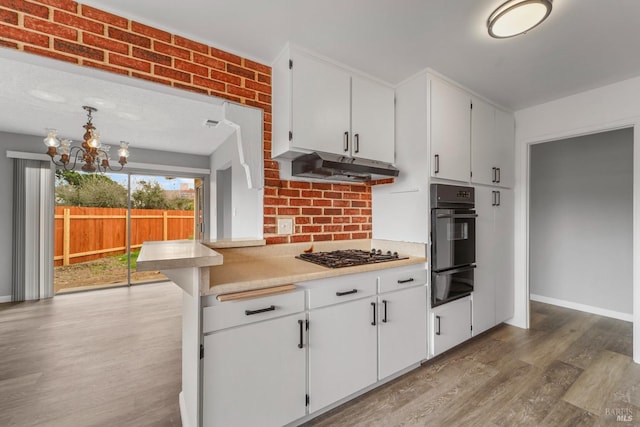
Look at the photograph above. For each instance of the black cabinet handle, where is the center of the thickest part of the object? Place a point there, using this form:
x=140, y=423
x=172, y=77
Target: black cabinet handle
x=300, y=324
x=438, y=330
x=356, y=142
x=262, y=310
x=352, y=291
x=373, y=306
x=405, y=280
x=437, y=165
x=494, y=198
x=498, y=198
x=494, y=174
x=346, y=141
x=384, y=303
x=497, y=174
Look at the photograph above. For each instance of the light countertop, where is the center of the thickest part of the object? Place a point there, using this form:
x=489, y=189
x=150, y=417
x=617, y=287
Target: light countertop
x=166, y=255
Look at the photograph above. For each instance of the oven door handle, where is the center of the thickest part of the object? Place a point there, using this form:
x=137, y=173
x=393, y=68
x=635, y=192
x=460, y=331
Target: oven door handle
x=455, y=270
x=456, y=215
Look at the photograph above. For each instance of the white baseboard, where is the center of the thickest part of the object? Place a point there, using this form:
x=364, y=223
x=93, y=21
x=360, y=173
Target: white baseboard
x=183, y=410
x=5, y=298
x=583, y=307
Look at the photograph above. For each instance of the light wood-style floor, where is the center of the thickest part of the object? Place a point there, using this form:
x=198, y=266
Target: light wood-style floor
x=112, y=358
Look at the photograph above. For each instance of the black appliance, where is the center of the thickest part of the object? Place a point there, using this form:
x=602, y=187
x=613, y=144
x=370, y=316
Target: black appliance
x=453, y=242
x=341, y=168
x=349, y=257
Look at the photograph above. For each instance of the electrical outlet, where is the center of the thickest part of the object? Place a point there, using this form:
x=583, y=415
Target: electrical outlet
x=285, y=226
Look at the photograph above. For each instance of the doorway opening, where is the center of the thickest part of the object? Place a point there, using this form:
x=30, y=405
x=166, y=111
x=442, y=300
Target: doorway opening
x=102, y=220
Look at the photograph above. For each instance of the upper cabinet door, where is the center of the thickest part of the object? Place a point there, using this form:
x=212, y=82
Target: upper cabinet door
x=504, y=147
x=372, y=120
x=450, y=131
x=484, y=163
x=320, y=113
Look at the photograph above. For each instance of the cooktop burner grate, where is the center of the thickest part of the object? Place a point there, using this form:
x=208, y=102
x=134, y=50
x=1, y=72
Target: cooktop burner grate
x=349, y=257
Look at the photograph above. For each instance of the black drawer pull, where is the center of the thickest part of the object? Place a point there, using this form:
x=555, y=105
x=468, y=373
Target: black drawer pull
x=384, y=303
x=374, y=323
x=405, y=280
x=301, y=343
x=352, y=291
x=262, y=310
x=438, y=330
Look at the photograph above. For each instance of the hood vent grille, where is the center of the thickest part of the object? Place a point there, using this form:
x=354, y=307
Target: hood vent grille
x=334, y=167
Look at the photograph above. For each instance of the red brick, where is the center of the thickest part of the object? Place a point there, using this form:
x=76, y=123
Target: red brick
x=154, y=33
x=311, y=228
x=272, y=182
x=383, y=181
x=300, y=238
x=352, y=196
x=321, y=202
x=276, y=240
x=264, y=79
x=131, y=63
x=68, y=5
x=270, y=191
x=270, y=229
x=331, y=228
x=264, y=98
x=341, y=219
x=131, y=38
x=352, y=227
x=78, y=22
x=152, y=78
x=360, y=188
x=332, y=211
x=311, y=193
x=225, y=56
x=366, y=227
x=50, y=28
x=358, y=204
x=190, y=44
x=257, y=66
x=310, y=211
x=209, y=61
x=341, y=187
x=365, y=211
x=322, y=220
x=269, y=210
x=78, y=49
x=104, y=67
x=106, y=17
x=259, y=87
x=352, y=211
x=321, y=237
x=245, y=93
x=262, y=105
x=267, y=118
x=105, y=43
x=341, y=203
x=332, y=195
x=303, y=220
x=288, y=211
x=299, y=202
x=190, y=67
x=242, y=72
x=341, y=236
x=208, y=83
x=270, y=173
x=170, y=50
x=25, y=36
x=321, y=186
x=274, y=201
x=289, y=192
x=8, y=17
x=8, y=44
x=51, y=54
x=150, y=56
x=359, y=219
x=26, y=7
x=269, y=220
x=190, y=88
x=360, y=235
x=225, y=77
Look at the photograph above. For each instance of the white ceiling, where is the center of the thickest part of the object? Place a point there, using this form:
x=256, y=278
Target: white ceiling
x=584, y=44
x=145, y=114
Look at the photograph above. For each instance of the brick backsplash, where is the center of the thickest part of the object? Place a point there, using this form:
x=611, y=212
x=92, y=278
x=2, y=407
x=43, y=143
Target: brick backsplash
x=83, y=35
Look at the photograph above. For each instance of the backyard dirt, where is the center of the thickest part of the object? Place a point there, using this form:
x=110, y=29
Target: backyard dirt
x=105, y=272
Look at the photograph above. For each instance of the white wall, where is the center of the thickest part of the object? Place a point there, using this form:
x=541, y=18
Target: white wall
x=581, y=222
x=247, y=203
x=33, y=144
x=607, y=108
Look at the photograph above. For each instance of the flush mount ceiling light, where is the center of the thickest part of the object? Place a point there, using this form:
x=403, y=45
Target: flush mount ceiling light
x=517, y=17
x=92, y=152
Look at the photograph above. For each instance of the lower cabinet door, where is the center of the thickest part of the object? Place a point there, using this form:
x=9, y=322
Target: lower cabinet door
x=450, y=324
x=402, y=329
x=342, y=351
x=254, y=375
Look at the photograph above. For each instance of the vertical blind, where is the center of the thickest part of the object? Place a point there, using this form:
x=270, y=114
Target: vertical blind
x=33, y=192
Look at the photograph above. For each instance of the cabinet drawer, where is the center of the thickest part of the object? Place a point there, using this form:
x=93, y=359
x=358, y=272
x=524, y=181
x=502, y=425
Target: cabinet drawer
x=340, y=289
x=235, y=313
x=400, y=279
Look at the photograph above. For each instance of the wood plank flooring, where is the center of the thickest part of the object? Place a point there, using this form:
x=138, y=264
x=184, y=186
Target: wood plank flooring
x=112, y=358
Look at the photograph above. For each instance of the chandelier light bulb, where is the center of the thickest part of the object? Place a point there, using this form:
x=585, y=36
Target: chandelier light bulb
x=124, y=149
x=65, y=146
x=51, y=140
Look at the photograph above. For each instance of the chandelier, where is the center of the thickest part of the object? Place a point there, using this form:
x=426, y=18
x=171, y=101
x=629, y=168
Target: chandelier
x=92, y=152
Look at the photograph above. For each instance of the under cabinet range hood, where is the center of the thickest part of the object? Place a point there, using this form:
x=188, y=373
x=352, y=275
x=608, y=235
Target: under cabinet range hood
x=335, y=167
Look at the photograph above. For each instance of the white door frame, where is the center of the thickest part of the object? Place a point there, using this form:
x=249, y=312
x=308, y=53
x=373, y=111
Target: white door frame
x=521, y=247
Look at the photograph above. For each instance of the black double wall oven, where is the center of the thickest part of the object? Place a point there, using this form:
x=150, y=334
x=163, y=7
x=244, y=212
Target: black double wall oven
x=453, y=242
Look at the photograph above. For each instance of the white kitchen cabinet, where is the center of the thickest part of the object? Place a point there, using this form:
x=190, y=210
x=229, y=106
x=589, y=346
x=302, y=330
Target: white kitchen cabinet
x=402, y=329
x=342, y=351
x=492, y=145
x=321, y=106
x=450, y=325
x=372, y=120
x=493, y=282
x=449, y=123
x=255, y=374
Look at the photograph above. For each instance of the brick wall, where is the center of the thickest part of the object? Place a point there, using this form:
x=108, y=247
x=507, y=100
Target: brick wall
x=83, y=35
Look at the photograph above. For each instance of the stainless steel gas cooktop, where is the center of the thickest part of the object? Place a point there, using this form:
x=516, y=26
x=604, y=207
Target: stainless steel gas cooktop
x=350, y=257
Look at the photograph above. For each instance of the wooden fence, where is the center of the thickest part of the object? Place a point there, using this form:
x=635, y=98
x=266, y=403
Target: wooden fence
x=85, y=234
